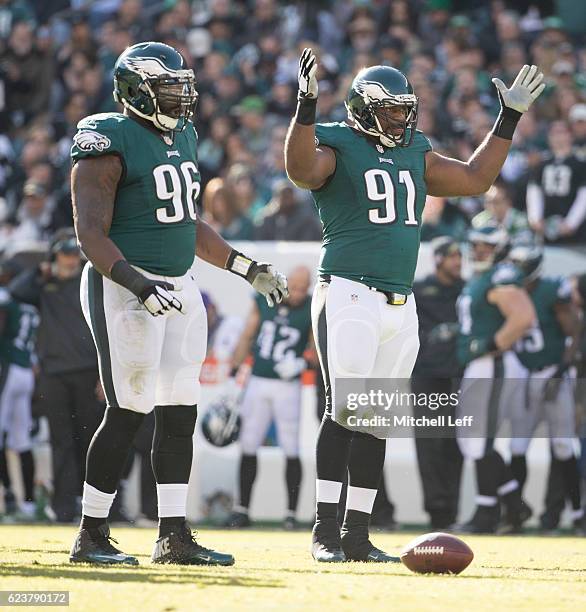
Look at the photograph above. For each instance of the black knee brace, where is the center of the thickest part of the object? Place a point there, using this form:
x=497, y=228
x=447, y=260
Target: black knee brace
x=172, y=450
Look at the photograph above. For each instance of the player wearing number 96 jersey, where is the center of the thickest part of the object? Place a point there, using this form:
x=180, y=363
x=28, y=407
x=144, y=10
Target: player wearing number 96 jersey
x=369, y=177
x=135, y=182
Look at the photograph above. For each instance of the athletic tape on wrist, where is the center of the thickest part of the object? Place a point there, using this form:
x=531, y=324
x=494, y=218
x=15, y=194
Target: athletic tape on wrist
x=506, y=123
x=306, y=109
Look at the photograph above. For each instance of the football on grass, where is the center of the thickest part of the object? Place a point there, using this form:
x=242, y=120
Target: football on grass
x=437, y=553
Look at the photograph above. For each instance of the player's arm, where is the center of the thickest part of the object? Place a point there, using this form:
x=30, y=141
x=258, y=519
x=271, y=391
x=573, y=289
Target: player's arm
x=569, y=319
x=445, y=176
x=307, y=166
x=94, y=182
x=516, y=307
x=211, y=247
x=246, y=339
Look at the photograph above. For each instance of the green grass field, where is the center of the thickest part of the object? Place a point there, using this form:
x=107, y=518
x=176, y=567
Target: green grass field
x=274, y=571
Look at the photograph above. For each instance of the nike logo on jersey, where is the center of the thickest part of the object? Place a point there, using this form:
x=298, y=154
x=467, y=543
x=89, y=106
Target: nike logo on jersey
x=173, y=154
x=383, y=160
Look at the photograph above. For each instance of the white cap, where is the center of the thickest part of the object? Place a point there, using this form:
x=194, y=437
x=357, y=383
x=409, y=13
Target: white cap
x=578, y=113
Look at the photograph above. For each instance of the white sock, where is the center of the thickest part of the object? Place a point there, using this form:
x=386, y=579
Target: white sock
x=328, y=491
x=508, y=487
x=172, y=499
x=360, y=499
x=96, y=503
x=486, y=500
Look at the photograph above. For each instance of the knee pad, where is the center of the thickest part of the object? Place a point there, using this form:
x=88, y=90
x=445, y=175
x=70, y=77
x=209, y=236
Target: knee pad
x=354, y=348
x=519, y=446
x=472, y=448
x=562, y=448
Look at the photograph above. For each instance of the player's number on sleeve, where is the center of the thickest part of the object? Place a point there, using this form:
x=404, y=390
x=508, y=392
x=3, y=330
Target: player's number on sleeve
x=380, y=188
x=532, y=341
x=183, y=194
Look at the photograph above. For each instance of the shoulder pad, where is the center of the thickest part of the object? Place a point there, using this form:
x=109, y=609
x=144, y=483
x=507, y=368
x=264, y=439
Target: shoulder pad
x=98, y=134
x=420, y=142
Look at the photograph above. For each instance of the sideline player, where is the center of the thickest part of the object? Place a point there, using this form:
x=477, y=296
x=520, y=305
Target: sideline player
x=369, y=177
x=18, y=328
x=280, y=335
x=548, y=350
x=135, y=182
x=494, y=311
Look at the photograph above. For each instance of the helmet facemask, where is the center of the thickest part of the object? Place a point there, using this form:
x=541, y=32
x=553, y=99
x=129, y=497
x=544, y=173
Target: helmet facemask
x=376, y=119
x=171, y=100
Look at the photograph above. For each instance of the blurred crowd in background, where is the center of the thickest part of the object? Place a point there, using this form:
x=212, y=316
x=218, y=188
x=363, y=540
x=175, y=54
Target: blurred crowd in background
x=56, y=63
x=57, y=56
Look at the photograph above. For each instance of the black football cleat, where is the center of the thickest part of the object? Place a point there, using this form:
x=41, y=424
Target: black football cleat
x=326, y=546
x=290, y=524
x=95, y=546
x=514, y=518
x=485, y=520
x=238, y=520
x=357, y=547
x=180, y=548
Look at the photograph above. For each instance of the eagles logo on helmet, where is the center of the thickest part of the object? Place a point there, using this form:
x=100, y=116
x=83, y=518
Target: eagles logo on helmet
x=380, y=88
x=220, y=424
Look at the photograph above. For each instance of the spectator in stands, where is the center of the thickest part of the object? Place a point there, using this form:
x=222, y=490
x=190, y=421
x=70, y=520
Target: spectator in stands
x=33, y=221
x=498, y=210
x=556, y=194
x=220, y=211
x=68, y=367
x=441, y=217
x=287, y=217
x=577, y=117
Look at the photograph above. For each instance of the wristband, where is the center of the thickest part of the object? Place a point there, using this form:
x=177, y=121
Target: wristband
x=491, y=345
x=124, y=274
x=238, y=263
x=306, y=109
x=506, y=123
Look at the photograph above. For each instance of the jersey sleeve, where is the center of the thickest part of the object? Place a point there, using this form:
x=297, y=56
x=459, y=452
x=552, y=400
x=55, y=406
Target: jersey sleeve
x=329, y=134
x=506, y=274
x=98, y=135
x=563, y=290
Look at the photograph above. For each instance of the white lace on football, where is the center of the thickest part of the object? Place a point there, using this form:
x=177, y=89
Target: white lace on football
x=428, y=550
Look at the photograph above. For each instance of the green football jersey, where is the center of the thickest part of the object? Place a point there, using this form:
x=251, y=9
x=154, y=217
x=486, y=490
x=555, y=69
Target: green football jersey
x=283, y=330
x=543, y=345
x=17, y=342
x=371, y=208
x=154, y=221
x=480, y=320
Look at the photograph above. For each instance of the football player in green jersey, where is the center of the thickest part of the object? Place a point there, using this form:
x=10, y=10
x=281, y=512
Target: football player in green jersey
x=494, y=311
x=278, y=338
x=548, y=350
x=18, y=329
x=135, y=182
x=369, y=177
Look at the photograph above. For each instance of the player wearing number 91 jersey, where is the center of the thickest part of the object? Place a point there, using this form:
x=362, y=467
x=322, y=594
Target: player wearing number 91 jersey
x=369, y=177
x=134, y=184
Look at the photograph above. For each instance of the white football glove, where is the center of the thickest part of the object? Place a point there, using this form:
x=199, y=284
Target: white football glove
x=158, y=300
x=268, y=282
x=262, y=276
x=306, y=75
x=524, y=90
x=290, y=367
